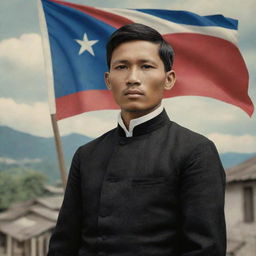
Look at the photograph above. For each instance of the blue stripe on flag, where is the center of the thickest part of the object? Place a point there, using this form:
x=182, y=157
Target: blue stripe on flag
x=65, y=25
x=189, y=18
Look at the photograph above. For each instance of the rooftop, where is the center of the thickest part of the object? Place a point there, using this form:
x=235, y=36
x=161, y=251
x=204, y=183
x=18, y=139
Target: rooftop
x=245, y=171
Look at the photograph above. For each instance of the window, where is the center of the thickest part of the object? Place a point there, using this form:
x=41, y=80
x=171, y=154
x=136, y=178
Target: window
x=248, y=204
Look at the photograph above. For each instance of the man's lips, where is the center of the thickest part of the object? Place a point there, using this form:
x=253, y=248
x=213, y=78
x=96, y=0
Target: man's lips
x=133, y=92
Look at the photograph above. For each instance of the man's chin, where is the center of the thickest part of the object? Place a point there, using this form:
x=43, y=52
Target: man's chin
x=133, y=109
x=138, y=109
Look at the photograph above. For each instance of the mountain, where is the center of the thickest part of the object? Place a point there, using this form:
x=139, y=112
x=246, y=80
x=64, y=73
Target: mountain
x=18, y=145
x=19, y=149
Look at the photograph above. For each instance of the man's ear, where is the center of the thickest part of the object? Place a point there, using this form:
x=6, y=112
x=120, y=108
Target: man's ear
x=107, y=82
x=170, y=80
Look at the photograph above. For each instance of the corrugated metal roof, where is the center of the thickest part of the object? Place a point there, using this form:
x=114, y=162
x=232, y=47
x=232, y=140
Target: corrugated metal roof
x=245, y=171
x=22, y=204
x=54, y=190
x=27, y=227
x=44, y=212
x=15, y=211
x=29, y=219
x=51, y=202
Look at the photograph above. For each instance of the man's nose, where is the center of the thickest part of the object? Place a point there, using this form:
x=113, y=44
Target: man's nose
x=133, y=77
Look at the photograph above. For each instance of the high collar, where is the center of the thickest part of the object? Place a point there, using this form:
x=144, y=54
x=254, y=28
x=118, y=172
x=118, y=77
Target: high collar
x=148, y=126
x=137, y=121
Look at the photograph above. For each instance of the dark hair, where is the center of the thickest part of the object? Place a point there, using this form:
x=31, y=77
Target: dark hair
x=136, y=31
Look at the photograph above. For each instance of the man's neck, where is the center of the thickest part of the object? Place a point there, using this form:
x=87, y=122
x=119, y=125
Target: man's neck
x=133, y=122
x=127, y=116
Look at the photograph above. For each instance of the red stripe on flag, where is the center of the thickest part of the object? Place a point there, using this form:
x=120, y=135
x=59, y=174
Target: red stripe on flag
x=205, y=66
x=111, y=19
x=209, y=66
x=84, y=101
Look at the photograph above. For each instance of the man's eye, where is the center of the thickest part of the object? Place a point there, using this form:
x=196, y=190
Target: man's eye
x=120, y=67
x=147, y=66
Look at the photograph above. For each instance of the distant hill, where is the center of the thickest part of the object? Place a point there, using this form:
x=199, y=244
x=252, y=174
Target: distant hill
x=18, y=145
x=19, y=149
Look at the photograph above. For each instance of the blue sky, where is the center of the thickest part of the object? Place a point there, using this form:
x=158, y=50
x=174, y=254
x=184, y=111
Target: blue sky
x=23, y=92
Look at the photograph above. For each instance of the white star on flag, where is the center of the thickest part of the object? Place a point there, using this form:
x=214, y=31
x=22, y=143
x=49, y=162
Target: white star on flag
x=86, y=45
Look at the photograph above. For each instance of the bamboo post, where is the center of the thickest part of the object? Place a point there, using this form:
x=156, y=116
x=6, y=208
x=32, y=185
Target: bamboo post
x=51, y=93
x=9, y=245
x=33, y=246
x=59, y=150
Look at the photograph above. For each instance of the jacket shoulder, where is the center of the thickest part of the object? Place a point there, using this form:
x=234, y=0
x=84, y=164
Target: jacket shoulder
x=186, y=133
x=186, y=139
x=193, y=149
x=104, y=138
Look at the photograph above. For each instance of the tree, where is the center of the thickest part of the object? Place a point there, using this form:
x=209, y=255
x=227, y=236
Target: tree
x=19, y=185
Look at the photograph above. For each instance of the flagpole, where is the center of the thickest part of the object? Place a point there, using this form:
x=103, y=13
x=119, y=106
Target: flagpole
x=59, y=150
x=51, y=93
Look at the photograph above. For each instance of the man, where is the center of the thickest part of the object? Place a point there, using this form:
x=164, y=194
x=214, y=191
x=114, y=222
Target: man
x=149, y=186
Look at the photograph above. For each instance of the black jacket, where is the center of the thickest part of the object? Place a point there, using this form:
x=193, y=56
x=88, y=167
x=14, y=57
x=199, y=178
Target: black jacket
x=159, y=193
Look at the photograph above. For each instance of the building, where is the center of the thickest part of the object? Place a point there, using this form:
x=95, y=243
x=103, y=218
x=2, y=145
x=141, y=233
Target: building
x=25, y=228
x=240, y=208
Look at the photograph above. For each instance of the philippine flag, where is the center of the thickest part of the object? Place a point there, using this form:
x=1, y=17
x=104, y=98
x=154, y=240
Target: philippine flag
x=207, y=59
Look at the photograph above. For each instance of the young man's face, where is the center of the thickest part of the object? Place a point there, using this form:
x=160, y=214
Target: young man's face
x=137, y=77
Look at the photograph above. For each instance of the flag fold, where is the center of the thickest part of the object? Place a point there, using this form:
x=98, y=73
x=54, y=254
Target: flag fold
x=207, y=59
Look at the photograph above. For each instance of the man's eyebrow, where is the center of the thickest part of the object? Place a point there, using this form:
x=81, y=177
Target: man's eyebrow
x=148, y=60
x=120, y=61
x=140, y=61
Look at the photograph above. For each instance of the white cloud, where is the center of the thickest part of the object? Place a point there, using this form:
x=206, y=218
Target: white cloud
x=231, y=8
x=189, y=107
x=25, y=51
x=21, y=68
x=197, y=113
x=30, y=118
x=206, y=115
x=250, y=60
x=92, y=124
x=203, y=7
x=35, y=119
x=229, y=143
x=200, y=114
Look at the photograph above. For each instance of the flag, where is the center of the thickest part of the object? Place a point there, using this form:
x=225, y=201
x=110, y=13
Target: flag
x=207, y=59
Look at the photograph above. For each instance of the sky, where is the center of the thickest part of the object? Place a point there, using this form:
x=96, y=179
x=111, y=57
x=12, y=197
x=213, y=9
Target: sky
x=23, y=90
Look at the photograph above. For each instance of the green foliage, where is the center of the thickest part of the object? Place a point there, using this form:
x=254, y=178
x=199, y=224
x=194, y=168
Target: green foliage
x=48, y=167
x=8, y=190
x=18, y=185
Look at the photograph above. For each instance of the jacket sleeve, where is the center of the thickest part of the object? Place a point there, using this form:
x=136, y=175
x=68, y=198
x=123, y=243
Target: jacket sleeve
x=66, y=237
x=202, y=195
